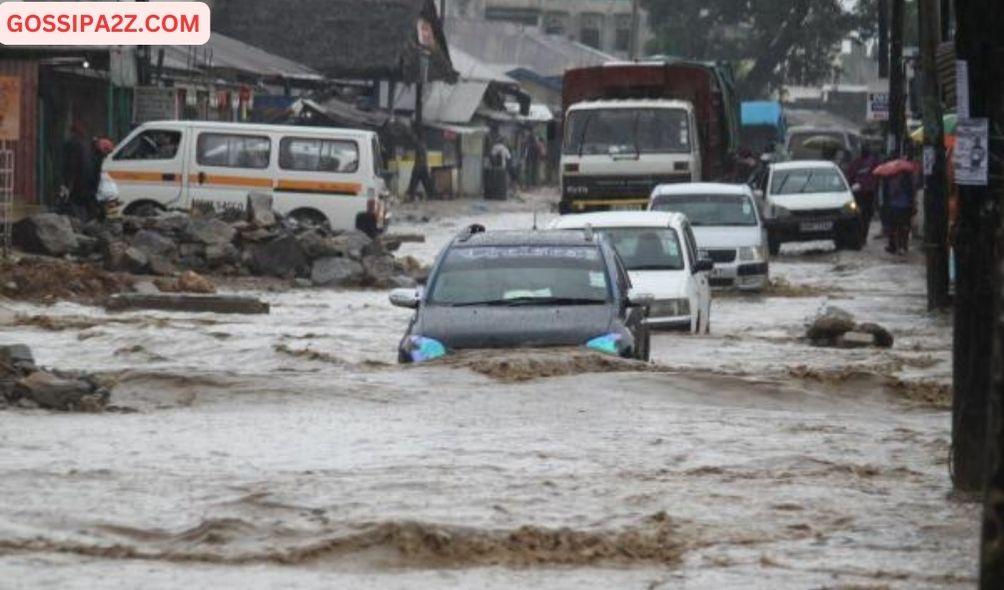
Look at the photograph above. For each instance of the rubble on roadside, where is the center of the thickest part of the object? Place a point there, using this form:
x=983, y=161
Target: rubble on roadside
x=25, y=385
x=836, y=328
x=258, y=242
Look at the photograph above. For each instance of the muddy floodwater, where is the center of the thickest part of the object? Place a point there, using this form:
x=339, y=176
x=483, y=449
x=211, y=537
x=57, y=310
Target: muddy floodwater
x=290, y=450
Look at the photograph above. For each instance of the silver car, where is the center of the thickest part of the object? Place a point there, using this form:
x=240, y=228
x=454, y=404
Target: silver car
x=729, y=227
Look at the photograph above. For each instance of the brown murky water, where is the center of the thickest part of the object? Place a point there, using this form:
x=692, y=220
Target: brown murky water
x=291, y=451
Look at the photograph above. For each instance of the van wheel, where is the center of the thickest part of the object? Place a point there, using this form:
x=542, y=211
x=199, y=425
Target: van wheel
x=367, y=223
x=308, y=218
x=143, y=209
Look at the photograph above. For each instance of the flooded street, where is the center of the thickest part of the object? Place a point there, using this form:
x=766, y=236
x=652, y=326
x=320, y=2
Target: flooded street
x=290, y=450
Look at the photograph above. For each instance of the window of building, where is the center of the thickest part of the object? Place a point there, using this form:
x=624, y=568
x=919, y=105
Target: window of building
x=622, y=33
x=154, y=144
x=318, y=155
x=556, y=23
x=591, y=30
x=233, y=151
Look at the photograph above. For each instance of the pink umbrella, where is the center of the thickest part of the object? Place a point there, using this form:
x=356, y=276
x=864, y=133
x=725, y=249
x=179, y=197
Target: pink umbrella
x=894, y=167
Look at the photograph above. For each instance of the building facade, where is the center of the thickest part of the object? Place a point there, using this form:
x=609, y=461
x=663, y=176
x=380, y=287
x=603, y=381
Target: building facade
x=601, y=24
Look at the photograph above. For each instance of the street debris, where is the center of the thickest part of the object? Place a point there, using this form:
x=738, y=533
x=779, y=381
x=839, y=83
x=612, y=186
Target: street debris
x=187, y=303
x=835, y=327
x=23, y=384
x=46, y=280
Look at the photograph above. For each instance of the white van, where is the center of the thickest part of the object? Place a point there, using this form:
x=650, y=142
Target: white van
x=315, y=174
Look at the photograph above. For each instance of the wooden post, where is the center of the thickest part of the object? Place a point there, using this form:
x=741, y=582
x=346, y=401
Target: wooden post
x=634, y=49
x=935, y=183
x=883, y=38
x=897, y=102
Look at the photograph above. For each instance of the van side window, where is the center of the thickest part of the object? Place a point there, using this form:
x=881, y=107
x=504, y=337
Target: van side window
x=153, y=144
x=691, y=244
x=319, y=155
x=233, y=151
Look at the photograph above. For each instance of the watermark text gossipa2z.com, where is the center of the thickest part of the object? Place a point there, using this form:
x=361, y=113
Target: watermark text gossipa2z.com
x=104, y=23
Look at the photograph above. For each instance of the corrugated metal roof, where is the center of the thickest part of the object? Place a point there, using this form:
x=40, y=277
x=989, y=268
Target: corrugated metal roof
x=226, y=53
x=446, y=103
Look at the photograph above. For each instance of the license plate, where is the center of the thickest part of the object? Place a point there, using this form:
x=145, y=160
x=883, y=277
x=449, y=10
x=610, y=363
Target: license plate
x=815, y=226
x=627, y=207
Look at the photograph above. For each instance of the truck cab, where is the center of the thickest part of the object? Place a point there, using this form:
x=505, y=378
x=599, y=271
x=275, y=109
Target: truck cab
x=616, y=151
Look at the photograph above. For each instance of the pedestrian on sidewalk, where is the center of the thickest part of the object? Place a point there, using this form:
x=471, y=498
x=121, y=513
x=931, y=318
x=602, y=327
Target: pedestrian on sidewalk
x=77, y=188
x=420, y=174
x=902, y=197
x=865, y=186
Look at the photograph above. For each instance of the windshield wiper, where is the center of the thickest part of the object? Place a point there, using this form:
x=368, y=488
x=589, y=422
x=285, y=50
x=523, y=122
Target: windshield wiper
x=653, y=267
x=515, y=301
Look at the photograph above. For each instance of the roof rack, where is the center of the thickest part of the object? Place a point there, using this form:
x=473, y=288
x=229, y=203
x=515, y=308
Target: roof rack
x=466, y=233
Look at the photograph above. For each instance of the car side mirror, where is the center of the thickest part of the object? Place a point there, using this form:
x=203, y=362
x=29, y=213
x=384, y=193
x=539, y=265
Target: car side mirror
x=704, y=264
x=639, y=299
x=758, y=193
x=408, y=298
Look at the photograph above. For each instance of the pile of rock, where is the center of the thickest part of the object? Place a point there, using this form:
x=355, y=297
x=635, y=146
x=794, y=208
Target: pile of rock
x=25, y=385
x=256, y=242
x=835, y=327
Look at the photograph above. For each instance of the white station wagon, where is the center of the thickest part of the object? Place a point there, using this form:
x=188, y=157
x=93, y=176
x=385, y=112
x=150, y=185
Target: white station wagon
x=660, y=255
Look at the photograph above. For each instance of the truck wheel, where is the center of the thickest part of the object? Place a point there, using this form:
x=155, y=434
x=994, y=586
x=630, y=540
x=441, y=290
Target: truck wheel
x=143, y=209
x=308, y=218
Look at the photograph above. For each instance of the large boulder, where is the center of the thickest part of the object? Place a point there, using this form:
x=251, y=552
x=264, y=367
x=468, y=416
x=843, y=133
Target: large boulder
x=57, y=393
x=16, y=356
x=209, y=230
x=170, y=222
x=354, y=244
x=881, y=337
x=282, y=257
x=152, y=244
x=162, y=266
x=45, y=233
x=335, y=271
x=221, y=254
x=259, y=210
x=831, y=323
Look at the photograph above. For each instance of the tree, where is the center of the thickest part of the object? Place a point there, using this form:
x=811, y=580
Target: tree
x=772, y=41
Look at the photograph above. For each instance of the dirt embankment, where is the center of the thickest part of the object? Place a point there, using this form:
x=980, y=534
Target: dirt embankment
x=920, y=392
x=526, y=365
x=47, y=280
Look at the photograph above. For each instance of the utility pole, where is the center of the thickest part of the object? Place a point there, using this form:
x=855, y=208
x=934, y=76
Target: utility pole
x=935, y=183
x=897, y=102
x=883, y=39
x=634, y=49
x=974, y=371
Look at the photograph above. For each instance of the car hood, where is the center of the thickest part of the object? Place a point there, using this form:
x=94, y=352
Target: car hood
x=519, y=326
x=714, y=237
x=661, y=284
x=808, y=202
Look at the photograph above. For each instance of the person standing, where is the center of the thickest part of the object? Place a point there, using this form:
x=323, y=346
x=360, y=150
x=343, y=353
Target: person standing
x=865, y=185
x=420, y=173
x=77, y=177
x=901, y=196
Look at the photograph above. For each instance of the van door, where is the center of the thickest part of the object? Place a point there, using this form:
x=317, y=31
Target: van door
x=149, y=166
x=227, y=165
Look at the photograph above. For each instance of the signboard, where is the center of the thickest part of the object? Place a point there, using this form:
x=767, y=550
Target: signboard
x=151, y=103
x=10, y=108
x=878, y=106
x=971, y=157
x=962, y=89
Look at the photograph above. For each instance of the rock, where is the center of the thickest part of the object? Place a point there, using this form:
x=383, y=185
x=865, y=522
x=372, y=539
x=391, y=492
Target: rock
x=259, y=210
x=381, y=269
x=316, y=245
x=147, y=287
x=162, y=266
x=87, y=245
x=283, y=258
x=854, y=339
x=54, y=393
x=170, y=222
x=352, y=244
x=45, y=233
x=16, y=356
x=302, y=283
x=196, y=263
x=191, y=249
x=882, y=337
x=188, y=282
x=255, y=236
x=133, y=261
x=221, y=254
x=335, y=271
x=153, y=244
x=209, y=231
x=830, y=323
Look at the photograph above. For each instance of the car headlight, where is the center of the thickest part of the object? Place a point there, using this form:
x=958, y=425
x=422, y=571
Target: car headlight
x=752, y=253
x=607, y=343
x=851, y=207
x=670, y=307
x=424, y=349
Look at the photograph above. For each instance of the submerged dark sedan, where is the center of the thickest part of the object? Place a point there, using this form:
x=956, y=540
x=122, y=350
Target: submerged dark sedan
x=524, y=289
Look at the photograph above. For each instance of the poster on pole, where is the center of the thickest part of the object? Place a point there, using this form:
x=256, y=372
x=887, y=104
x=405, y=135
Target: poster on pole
x=971, y=152
x=10, y=108
x=878, y=106
x=962, y=88
x=928, y=160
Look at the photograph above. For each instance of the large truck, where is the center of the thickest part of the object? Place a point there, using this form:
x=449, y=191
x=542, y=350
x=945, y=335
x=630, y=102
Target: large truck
x=631, y=126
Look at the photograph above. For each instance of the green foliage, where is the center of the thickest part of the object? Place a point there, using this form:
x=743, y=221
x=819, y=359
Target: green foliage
x=772, y=41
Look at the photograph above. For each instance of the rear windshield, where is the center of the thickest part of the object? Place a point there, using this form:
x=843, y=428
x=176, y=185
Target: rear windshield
x=807, y=180
x=521, y=275
x=627, y=131
x=704, y=210
x=816, y=145
x=647, y=248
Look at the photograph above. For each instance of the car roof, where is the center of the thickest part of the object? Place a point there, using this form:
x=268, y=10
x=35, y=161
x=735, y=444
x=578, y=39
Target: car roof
x=661, y=219
x=525, y=238
x=704, y=188
x=632, y=103
x=258, y=127
x=803, y=164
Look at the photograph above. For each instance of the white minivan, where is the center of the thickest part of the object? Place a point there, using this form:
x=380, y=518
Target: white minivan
x=660, y=254
x=316, y=175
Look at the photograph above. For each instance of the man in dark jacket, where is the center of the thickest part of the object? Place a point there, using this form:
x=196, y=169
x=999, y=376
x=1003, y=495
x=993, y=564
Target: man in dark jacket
x=78, y=166
x=859, y=173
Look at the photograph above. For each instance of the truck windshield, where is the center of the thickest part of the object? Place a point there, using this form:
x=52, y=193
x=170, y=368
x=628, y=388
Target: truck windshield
x=521, y=275
x=710, y=210
x=627, y=131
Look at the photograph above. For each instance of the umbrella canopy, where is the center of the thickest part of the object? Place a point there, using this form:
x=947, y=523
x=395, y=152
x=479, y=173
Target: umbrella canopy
x=821, y=142
x=950, y=121
x=894, y=167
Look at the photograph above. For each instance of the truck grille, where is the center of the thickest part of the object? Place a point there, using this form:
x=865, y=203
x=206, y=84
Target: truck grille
x=722, y=256
x=814, y=213
x=614, y=187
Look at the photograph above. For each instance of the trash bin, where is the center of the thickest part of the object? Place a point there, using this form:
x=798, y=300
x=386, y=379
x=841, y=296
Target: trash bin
x=496, y=184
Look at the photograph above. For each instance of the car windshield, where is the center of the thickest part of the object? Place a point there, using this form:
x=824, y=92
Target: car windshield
x=521, y=275
x=646, y=248
x=807, y=180
x=703, y=210
x=627, y=131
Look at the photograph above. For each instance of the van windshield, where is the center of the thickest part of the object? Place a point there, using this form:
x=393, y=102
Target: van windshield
x=710, y=209
x=627, y=131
